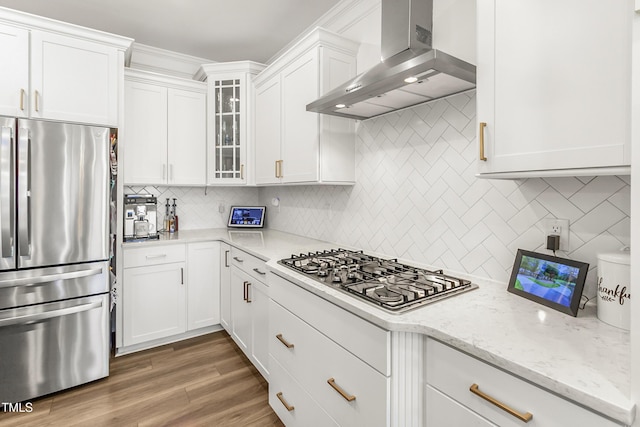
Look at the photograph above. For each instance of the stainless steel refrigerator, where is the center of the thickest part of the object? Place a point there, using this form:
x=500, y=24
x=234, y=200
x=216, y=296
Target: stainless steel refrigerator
x=54, y=251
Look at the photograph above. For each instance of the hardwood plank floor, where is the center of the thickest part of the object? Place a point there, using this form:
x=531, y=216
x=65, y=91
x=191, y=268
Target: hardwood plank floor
x=204, y=381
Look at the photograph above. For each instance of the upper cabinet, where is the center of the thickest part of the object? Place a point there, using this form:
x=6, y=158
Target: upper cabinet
x=60, y=72
x=229, y=137
x=165, y=132
x=554, y=87
x=293, y=145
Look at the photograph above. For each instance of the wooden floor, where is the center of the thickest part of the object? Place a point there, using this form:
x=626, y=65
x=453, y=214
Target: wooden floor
x=204, y=381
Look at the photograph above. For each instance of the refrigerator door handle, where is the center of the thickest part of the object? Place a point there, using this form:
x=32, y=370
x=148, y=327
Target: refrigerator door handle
x=24, y=217
x=30, y=318
x=29, y=281
x=6, y=184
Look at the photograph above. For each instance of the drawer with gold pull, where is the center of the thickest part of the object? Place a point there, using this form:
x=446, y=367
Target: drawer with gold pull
x=495, y=395
x=347, y=388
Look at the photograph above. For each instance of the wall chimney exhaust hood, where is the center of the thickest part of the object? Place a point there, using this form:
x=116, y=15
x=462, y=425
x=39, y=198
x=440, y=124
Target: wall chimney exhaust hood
x=411, y=71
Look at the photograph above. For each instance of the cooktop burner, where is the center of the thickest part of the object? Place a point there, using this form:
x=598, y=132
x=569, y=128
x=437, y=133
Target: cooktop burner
x=386, y=283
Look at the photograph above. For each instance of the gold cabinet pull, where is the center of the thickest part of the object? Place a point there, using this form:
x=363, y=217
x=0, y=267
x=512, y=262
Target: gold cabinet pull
x=284, y=402
x=283, y=341
x=22, y=99
x=481, y=136
x=36, y=96
x=278, y=168
x=347, y=397
x=242, y=171
x=522, y=417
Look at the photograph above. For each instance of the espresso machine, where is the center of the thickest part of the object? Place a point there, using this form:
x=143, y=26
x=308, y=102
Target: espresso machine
x=140, y=217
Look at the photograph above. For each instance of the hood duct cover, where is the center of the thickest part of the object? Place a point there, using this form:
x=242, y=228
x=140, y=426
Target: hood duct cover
x=411, y=72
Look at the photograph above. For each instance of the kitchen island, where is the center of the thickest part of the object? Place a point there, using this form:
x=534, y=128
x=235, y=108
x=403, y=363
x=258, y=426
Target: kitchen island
x=580, y=359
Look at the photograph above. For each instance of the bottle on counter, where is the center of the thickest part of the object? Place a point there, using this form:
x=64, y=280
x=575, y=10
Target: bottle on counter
x=175, y=214
x=167, y=214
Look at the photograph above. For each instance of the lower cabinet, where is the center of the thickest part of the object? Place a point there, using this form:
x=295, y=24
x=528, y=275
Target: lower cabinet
x=328, y=366
x=464, y=391
x=225, y=287
x=168, y=290
x=249, y=308
x=154, y=302
x=203, y=284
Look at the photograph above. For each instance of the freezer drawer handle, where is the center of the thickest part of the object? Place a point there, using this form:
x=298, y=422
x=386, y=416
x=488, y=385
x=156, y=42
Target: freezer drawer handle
x=30, y=281
x=284, y=402
x=526, y=417
x=336, y=387
x=6, y=199
x=30, y=318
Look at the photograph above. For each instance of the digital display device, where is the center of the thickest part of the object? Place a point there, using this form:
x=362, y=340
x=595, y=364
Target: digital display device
x=246, y=216
x=551, y=281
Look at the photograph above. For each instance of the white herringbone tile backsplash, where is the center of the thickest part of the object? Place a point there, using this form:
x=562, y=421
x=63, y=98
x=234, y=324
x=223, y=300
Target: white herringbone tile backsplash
x=417, y=198
x=197, y=210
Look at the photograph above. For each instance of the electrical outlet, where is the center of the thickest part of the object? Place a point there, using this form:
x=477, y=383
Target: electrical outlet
x=559, y=227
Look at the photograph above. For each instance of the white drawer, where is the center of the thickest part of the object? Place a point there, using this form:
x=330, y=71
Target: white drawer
x=452, y=372
x=153, y=255
x=367, y=341
x=249, y=264
x=442, y=411
x=315, y=359
x=304, y=411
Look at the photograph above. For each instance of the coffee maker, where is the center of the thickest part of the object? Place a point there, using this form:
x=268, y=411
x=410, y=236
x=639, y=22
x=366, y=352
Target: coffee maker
x=140, y=217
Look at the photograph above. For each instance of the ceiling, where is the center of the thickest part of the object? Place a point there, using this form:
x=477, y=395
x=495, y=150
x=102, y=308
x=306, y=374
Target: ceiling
x=219, y=30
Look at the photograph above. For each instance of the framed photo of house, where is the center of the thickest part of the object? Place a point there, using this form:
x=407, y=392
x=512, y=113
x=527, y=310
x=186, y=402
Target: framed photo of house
x=548, y=280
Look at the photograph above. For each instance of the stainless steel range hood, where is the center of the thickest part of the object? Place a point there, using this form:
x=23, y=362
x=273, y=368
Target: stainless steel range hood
x=411, y=72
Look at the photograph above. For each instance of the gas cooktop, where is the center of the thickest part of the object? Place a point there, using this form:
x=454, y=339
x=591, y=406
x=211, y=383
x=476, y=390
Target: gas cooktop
x=386, y=283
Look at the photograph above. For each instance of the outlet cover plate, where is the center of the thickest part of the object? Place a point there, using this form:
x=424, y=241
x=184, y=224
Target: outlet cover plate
x=552, y=226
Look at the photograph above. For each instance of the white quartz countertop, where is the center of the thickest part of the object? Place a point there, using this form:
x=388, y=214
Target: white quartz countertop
x=580, y=358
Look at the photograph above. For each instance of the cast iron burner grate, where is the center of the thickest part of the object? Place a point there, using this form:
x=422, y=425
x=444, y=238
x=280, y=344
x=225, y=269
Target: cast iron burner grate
x=386, y=283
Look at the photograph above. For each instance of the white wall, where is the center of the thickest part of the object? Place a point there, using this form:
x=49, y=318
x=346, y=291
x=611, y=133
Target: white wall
x=635, y=207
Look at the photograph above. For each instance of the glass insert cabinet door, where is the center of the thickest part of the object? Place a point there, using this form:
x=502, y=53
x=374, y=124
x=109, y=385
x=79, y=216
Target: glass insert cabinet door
x=227, y=159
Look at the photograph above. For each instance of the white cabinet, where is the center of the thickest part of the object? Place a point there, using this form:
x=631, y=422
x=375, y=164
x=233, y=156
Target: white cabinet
x=14, y=79
x=203, y=284
x=230, y=118
x=225, y=287
x=165, y=130
x=462, y=390
x=249, y=308
x=60, y=72
x=293, y=145
x=73, y=80
x=153, y=297
x=168, y=290
x=341, y=361
x=553, y=92
x=240, y=309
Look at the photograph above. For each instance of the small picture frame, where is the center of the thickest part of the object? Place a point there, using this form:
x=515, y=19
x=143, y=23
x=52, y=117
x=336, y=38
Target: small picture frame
x=548, y=280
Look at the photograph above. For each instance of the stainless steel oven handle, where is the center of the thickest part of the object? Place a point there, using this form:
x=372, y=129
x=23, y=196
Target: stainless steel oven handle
x=23, y=193
x=6, y=184
x=30, y=318
x=29, y=281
